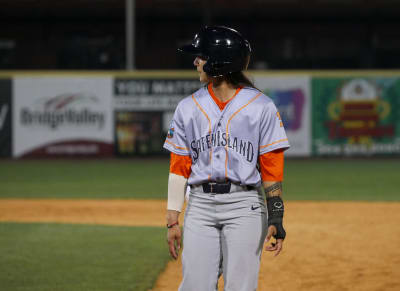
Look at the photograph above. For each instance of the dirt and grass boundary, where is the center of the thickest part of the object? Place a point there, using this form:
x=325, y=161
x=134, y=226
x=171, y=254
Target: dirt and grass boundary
x=330, y=245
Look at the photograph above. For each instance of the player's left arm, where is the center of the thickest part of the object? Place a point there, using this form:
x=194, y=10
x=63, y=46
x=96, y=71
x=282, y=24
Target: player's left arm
x=273, y=142
x=271, y=166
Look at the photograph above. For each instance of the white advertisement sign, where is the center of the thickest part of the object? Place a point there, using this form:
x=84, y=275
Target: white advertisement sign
x=152, y=94
x=292, y=96
x=55, y=116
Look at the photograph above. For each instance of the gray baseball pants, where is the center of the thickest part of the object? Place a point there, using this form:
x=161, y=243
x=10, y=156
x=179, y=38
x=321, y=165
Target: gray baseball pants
x=223, y=233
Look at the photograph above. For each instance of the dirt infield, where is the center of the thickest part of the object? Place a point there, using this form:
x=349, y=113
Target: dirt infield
x=330, y=246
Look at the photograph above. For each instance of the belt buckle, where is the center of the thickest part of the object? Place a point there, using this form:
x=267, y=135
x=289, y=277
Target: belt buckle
x=211, y=186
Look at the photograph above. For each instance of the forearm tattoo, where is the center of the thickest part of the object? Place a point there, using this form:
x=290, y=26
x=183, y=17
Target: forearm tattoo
x=274, y=190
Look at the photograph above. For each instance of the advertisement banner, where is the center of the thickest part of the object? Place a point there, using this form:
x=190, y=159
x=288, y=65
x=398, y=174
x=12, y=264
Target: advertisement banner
x=138, y=133
x=143, y=109
x=152, y=94
x=356, y=116
x=291, y=95
x=5, y=118
x=62, y=116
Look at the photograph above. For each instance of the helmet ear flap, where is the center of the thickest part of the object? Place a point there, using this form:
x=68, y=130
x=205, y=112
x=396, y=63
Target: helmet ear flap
x=207, y=68
x=215, y=69
x=211, y=68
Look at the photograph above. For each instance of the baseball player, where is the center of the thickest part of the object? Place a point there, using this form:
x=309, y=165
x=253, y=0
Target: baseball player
x=226, y=141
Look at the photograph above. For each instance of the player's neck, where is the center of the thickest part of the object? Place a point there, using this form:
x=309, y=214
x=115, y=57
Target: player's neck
x=224, y=91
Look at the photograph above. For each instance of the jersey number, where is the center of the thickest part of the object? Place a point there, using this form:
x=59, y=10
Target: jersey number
x=280, y=119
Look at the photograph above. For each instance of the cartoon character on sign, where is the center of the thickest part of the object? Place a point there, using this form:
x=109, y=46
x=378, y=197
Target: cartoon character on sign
x=357, y=113
x=291, y=105
x=126, y=134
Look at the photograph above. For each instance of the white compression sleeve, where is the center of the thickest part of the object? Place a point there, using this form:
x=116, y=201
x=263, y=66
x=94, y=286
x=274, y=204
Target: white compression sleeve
x=176, y=192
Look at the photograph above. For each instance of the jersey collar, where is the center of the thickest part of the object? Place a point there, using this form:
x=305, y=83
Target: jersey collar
x=219, y=103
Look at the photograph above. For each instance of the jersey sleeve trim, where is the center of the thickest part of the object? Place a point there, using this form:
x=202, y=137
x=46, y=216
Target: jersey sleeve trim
x=209, y=126
x=275, y=142
x=176, y=146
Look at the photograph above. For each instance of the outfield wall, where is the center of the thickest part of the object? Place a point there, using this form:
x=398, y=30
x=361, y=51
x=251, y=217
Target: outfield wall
x=52, y=114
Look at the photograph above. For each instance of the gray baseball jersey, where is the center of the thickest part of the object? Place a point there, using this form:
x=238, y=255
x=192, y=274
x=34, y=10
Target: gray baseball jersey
x=226, y=144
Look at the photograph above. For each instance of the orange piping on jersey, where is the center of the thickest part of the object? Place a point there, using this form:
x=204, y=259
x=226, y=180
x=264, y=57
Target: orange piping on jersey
x=227, y=132
x=175, y=146
x=209, y=127
x=219, y=103
x=180, y=165
x=267, y=145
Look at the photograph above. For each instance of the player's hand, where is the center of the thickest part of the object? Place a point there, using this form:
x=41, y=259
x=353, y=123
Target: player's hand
x=273, y=247
x=174, y=240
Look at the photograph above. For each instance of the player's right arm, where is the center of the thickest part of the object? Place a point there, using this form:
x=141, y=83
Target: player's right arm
x=180, y=169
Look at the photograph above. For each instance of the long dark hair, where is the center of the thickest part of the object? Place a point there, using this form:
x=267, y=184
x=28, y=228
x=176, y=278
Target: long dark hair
x=236, y=79
x=239, y=79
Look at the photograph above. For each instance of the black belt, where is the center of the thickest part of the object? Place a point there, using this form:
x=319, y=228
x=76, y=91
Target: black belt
x=221, y=187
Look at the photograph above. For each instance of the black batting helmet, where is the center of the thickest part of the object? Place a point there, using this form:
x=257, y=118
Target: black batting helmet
x=225, y=50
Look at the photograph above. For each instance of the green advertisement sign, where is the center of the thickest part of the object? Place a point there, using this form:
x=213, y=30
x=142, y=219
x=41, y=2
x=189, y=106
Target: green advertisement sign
x=355, y=116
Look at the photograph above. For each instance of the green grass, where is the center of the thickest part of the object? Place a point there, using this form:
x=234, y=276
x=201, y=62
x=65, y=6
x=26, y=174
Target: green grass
x=80, y=257
x=343, y=179
x=114, y=178
x=308, y=179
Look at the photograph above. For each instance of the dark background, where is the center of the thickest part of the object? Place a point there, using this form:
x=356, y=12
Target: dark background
x=6, y=116
x=285, y=34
